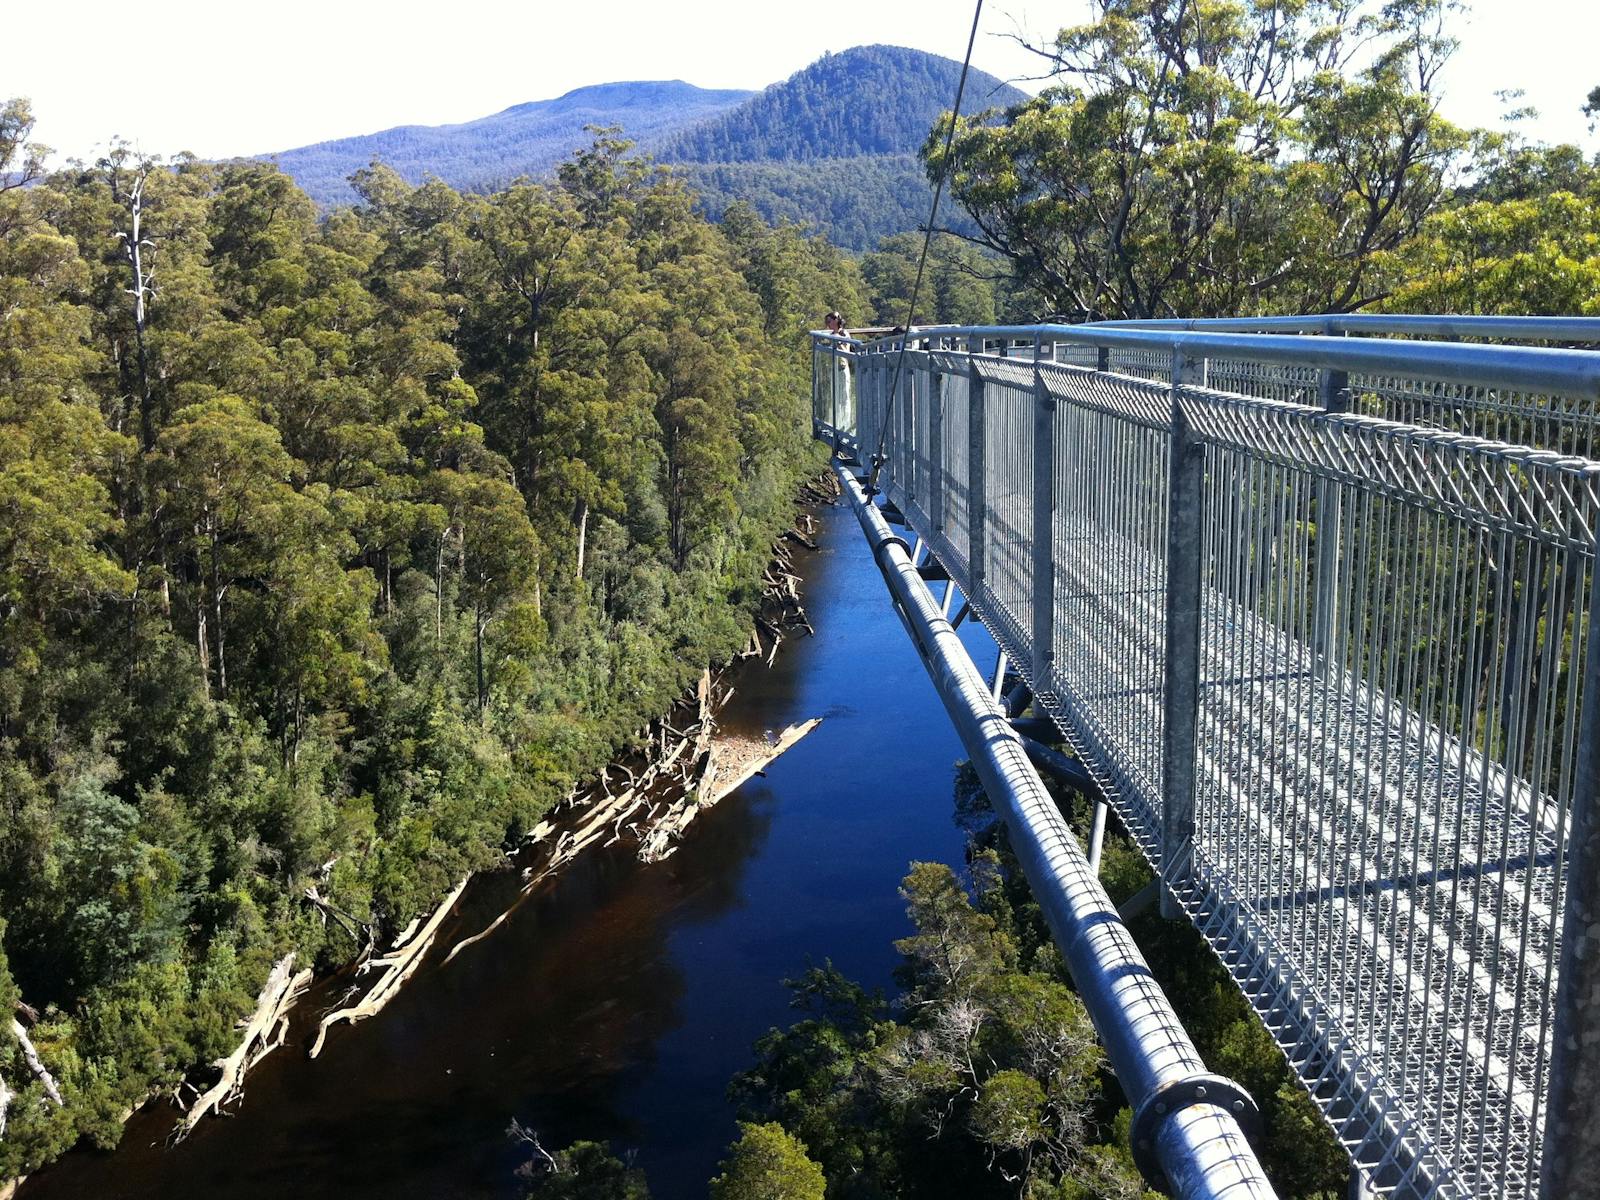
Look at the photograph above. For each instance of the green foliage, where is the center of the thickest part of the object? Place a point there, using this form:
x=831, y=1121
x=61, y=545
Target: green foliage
x=767, y=1163
x=987, y=1084
x=1300, y=1154
x=856, y=202
x=336, y=549
x=959, y=284
x=586, y=1171
x=1223, y=158
x=1526, y=240
x=985, y=1078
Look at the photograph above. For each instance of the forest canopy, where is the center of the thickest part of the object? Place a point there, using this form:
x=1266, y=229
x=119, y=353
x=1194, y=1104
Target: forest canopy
x=333, y=549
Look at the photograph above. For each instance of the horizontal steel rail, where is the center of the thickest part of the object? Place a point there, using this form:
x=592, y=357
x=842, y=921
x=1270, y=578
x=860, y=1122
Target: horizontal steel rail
x=1517, y=368
x=1500, y=329
x=1539, y=396
x=1334, y=673
x=1187, y=1132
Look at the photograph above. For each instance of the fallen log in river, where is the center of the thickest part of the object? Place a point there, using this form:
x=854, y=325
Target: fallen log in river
x=263, y=1033
x=395, y=968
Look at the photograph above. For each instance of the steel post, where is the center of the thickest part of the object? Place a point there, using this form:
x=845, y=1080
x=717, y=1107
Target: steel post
x=977, y=502
x=1044, y=532
x=1570, y=1168
x=1181, y=690
x=1097, y=835
x=817, y=423
x=936, y=455
x=833, y=393
x=1333, y=395
x=898, y=444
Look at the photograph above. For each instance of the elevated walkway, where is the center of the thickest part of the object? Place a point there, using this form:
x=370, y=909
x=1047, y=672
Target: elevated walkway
x=1330, y=669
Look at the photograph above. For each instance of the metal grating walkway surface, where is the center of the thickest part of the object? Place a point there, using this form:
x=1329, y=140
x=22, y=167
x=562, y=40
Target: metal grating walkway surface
x=1328, y=668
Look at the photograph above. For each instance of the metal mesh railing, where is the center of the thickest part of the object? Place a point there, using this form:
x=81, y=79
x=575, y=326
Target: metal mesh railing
x=1393, y=625
x=1388, y=722
x=1564, y=423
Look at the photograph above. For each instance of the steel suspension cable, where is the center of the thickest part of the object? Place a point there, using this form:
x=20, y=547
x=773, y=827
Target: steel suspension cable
x=922, y=260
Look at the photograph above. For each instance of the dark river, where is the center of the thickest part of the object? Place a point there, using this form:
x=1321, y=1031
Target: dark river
x=618, y=1002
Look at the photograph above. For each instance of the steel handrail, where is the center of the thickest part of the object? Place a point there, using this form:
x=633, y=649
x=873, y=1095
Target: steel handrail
x=1515, y=329
x=1535, y=369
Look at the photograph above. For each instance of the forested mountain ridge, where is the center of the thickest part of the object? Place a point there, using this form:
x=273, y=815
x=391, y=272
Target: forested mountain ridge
x=333, y=549
x=526, y=139
x=834, y=145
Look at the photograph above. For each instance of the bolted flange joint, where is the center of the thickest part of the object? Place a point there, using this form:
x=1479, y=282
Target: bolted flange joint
x=887, y=539
x=1175, y=1095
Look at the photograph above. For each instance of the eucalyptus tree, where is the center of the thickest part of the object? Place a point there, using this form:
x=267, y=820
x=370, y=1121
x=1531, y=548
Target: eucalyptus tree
x=1200, y=157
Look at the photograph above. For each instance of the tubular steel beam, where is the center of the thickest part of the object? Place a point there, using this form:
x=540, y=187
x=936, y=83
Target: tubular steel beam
x=1187, y=1134
x=1052, y=762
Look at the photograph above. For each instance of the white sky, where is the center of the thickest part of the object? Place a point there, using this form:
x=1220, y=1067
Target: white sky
x=221, y=77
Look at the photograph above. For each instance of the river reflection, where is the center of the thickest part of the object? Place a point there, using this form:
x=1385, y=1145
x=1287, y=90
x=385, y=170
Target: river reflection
x=616, y=1003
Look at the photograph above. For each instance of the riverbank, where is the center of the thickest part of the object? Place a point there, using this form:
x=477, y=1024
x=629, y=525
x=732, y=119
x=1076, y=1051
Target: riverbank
x=673, y=788
x=618, y=1001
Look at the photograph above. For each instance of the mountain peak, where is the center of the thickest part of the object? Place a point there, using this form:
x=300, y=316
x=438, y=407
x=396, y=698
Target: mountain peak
x=876, y=99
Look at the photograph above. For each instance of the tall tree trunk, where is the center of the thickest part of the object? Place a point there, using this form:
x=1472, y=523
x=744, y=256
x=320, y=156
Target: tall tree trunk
x=438, y=592
x=478, y=624
x=216, y=612
x=582, y=518
x=202, y=645
x=133, y=249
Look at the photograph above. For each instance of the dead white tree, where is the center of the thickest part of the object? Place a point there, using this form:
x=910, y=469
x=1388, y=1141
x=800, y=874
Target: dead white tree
x=35, y=1063
x=127, y=192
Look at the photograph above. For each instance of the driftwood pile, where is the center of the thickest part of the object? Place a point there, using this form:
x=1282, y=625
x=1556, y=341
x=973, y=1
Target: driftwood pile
x=823, y=490
x=780, y=593
x=728, y=764
x=394, y=968
x=694, y=767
